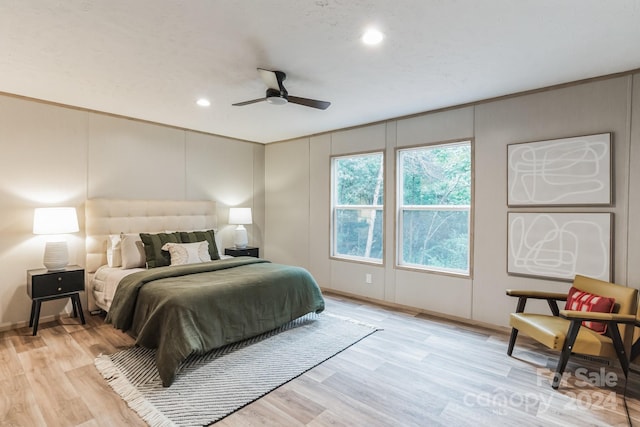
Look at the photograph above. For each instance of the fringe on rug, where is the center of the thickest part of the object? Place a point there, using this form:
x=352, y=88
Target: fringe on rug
x=349, y=319
x=130, y=394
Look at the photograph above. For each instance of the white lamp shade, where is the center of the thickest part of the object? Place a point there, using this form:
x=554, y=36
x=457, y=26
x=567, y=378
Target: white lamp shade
x=55, y=221
x=240, y=216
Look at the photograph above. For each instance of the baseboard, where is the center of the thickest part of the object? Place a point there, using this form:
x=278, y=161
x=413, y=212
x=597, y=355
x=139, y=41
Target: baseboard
x=16, y=325
x=416, y=310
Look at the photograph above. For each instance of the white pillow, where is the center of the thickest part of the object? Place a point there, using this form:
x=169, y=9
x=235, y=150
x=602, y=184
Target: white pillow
x=132, y=251
x=216, y=237
x=188, y=253
x=114, y=255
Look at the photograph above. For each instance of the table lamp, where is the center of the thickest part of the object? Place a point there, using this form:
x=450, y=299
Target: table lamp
x=55, y=222
x=240, y=217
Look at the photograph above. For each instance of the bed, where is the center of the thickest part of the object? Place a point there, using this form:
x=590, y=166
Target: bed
x=190, y=308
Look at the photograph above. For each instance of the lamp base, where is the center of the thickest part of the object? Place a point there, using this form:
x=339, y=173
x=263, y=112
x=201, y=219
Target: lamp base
x=240, y=240
x=56, y=256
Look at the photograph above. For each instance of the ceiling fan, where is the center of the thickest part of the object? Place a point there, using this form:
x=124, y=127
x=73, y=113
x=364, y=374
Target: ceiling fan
x=278, y=95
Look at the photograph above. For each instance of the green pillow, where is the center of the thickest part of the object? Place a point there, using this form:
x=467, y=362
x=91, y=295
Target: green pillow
x=153, y=243
x=201, y=236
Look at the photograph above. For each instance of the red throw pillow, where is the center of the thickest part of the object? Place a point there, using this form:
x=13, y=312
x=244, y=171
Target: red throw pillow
x=583, y=301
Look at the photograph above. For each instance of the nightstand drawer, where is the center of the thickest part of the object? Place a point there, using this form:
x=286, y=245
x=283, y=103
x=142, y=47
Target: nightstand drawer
x=40, y=285
x=248, y=251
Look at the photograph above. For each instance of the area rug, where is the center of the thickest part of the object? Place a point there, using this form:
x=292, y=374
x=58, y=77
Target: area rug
x=214, y=385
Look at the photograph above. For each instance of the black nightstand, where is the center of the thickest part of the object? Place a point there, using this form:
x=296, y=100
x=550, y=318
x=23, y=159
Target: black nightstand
x=248, y=251
x=45, y=285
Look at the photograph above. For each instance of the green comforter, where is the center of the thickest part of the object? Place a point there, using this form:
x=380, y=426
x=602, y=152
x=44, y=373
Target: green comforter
x=195, y=308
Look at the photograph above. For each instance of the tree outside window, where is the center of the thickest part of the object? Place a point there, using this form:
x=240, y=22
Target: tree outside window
x=358, y=204
x=434, y=204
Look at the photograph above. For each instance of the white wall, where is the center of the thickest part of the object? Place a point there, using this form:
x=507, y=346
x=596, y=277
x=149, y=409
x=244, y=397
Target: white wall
x=608, y=105
x=57, y=156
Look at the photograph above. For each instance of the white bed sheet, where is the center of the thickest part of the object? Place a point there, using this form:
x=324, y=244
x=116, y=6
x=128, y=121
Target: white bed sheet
x=105, y=281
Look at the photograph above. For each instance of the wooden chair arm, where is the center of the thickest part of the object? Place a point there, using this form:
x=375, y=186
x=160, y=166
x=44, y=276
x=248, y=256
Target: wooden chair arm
x=537, y=294
x=598, y=317
x=523, y=295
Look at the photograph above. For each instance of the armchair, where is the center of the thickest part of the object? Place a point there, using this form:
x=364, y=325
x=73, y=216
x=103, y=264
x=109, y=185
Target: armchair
x=564, y=330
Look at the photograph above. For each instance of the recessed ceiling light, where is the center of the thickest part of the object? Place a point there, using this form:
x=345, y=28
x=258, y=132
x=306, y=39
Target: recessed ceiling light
x=203, y=102
x=372, y=36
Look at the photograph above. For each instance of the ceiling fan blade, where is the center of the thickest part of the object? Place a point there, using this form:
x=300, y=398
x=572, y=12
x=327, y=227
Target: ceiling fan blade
x=277, y=94
x=270, y=78
x=322, y=105
x=253, y=101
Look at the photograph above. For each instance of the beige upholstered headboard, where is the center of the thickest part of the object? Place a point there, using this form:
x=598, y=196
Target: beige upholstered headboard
x=113, y=216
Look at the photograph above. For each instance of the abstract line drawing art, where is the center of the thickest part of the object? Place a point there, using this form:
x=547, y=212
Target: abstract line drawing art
x=560, y=245
x=560, y=172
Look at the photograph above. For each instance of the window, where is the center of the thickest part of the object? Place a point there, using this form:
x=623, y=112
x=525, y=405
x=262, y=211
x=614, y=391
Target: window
x=357, y=192
x=434, y=203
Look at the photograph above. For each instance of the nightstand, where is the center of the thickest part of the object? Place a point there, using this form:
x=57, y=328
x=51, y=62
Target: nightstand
x=45, y=285
x=248, y=251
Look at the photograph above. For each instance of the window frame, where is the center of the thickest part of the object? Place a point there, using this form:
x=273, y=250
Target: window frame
x=399, y=209
x=334, y=207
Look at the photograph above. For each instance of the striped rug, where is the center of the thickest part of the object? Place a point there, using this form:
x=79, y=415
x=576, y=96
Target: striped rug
x=214, y=385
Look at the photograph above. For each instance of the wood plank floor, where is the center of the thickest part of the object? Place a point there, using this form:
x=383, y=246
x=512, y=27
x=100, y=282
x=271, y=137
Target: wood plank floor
x=418, y=371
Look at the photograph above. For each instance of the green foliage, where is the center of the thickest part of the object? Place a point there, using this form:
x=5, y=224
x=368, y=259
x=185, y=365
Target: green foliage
x=437, y=239
x=436, y=176
x=357, y=178
x=359, y=233
x=439, y=175
x=432, y=179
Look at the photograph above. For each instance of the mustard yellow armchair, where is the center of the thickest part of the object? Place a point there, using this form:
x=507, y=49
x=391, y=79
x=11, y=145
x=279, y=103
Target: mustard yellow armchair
x=563, y=330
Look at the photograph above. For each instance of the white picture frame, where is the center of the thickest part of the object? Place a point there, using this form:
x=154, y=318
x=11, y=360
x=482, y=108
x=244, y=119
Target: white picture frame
x=572, y=171
x=560, y=245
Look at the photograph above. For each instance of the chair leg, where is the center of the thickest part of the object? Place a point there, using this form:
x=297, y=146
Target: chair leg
x=512, y=341
x=522, y=301
x=619, y=346
x=553, y=305
x=567, y=349
x=635, y=350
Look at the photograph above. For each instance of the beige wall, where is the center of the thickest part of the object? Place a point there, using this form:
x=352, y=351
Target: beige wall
x=633, y=237
x=611, y=105
x=577, y=110
x=53, y=155
x=56, y=156
x=287, y=203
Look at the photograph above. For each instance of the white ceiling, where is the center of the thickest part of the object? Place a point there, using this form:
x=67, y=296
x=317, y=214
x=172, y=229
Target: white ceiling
x=151, y=59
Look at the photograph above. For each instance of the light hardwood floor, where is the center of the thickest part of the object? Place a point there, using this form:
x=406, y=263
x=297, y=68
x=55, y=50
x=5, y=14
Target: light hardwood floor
x=418, y=371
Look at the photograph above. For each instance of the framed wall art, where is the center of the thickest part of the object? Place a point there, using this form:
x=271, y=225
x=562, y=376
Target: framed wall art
x=560, y=245
x=560, y=172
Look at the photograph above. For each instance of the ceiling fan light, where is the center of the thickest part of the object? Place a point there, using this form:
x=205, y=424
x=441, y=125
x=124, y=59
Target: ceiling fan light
x=276, y=100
